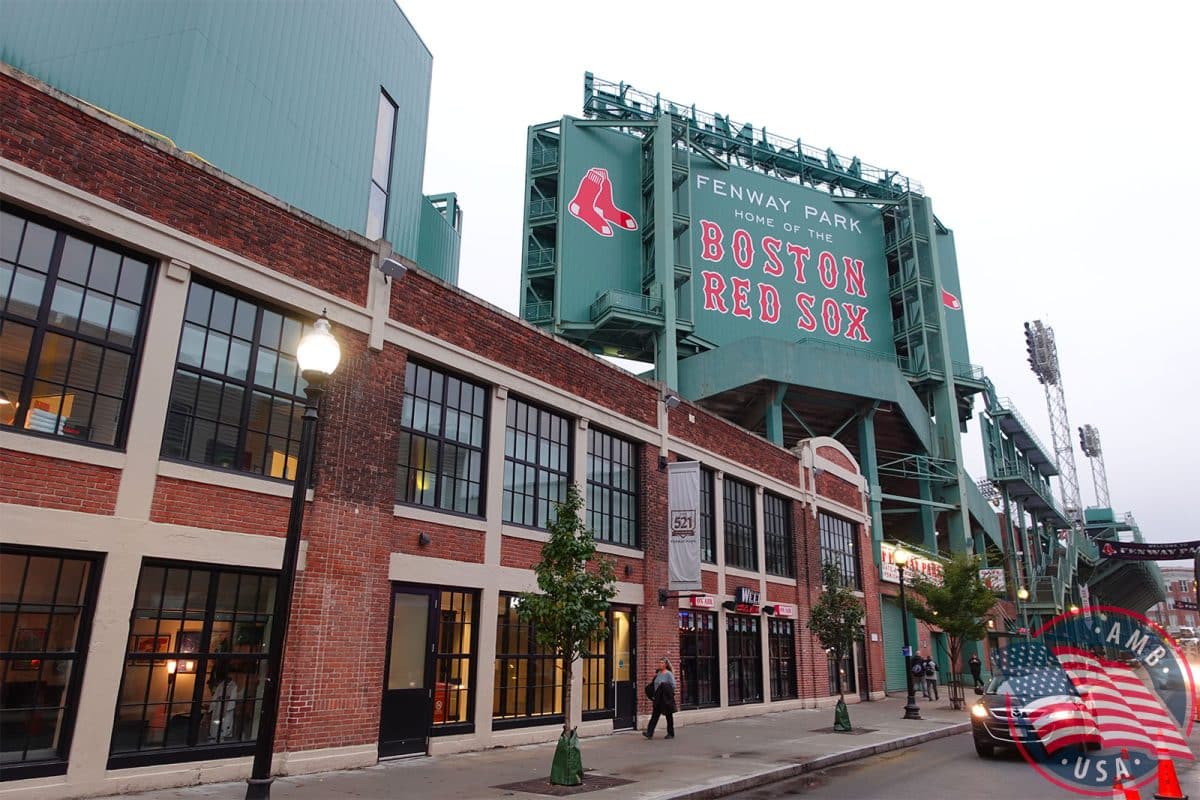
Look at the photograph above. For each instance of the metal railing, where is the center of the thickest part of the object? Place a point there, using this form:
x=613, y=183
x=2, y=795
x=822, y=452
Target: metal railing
x=1007, y=405
x=542, y=206
x=621, y=300
x=542, y=311
x=969, y=372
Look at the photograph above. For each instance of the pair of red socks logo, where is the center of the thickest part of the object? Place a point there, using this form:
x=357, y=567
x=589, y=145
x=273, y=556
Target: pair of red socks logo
x=593, y=205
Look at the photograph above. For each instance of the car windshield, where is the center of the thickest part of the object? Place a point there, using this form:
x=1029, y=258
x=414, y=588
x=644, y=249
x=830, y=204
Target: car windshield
x=1027, y=684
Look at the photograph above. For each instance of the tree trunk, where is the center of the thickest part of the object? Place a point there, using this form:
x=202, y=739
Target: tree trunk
x=568, y=680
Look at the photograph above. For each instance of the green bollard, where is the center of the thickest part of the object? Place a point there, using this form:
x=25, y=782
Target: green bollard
x=841, y=717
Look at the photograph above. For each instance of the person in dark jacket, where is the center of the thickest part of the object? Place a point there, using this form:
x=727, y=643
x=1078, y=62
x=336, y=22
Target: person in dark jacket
x=664, y=700
x=976, y=666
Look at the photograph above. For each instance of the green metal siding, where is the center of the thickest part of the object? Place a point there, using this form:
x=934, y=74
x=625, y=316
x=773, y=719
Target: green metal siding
x=282, y=96
x=440, y=240
x=895, y=678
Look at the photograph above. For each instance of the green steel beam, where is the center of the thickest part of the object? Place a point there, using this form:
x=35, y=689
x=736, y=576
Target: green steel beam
x=869, y=463
x=664, y=253
x=802, y=423
x=774, y=409
x=852, y=418
x=918, y=501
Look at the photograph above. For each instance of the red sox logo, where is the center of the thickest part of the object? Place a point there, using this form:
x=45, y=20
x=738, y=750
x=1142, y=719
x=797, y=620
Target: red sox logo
x=593, y=205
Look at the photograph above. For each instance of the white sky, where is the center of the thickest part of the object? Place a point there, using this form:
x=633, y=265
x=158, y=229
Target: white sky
x=1057, y=140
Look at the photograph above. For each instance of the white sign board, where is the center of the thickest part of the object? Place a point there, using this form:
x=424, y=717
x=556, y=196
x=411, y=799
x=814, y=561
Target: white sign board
x=683, y=526
x=889, y=572
x=993, y=579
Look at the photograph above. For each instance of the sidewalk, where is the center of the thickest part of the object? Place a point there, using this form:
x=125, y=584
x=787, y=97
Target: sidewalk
x=703, y=760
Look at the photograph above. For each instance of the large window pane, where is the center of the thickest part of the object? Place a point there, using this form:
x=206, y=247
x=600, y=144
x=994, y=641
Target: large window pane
x=777, y=535
x=612, y=489
x=195, y=662
x=699, y=685
x=67, y=371
x=235, y=400
x=741, y=534
x=839, y=546
x=45, y=614
x=537, y=458
x=528, y=680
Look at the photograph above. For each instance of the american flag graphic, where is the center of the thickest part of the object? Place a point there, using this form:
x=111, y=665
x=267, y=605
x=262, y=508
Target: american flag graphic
x=1077, y=698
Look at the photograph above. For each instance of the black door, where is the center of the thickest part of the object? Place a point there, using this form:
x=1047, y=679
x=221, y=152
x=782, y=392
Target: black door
x=860, y=659
x=624, y=650
x=407, y=711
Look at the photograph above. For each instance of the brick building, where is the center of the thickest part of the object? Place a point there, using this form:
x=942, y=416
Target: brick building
x=1178, y=610
x=151, y=308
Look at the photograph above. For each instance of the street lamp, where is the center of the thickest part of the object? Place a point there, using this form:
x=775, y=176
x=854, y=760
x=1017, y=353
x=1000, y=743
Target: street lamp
x=317, y=356
x=901, y=557
x=1022, y=598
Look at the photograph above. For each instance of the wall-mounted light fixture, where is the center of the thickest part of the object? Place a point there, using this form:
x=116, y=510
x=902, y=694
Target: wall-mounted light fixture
x=628, y=570
x=392, y=268
x=424, y=538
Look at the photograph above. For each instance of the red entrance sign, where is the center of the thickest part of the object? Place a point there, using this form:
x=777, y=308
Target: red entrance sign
x=703, y=601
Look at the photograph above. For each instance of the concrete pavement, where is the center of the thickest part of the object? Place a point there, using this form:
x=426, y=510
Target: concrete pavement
x=709, y=759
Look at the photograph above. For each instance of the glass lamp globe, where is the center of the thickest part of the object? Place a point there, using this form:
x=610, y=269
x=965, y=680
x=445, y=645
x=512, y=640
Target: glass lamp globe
x=901, y=557
x=319, y=352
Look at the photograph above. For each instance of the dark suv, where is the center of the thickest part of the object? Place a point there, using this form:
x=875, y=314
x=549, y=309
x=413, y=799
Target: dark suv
x=999, y=717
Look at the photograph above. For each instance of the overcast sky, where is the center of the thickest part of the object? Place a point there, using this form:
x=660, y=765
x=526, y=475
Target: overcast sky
x=1058, y=141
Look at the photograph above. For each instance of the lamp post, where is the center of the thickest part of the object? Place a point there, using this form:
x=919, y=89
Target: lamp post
x=1022, y=598
x=911, y=711
x=317, y=356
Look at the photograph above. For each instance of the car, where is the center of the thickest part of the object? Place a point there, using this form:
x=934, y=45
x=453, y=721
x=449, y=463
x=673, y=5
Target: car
x=1000, y=719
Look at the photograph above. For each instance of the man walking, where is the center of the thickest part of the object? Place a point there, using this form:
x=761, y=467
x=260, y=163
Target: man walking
x=976, y=666
x=929, y=667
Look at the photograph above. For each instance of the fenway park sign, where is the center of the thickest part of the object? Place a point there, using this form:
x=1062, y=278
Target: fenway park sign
x=1140, y=551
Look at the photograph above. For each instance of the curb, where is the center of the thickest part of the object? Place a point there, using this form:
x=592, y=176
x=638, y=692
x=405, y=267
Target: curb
x=822, y=762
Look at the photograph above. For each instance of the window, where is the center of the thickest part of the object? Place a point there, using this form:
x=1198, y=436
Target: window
x=612, y=489
x=381, y=166
x=442, y=435
x=72, y=318
x=741, y=537
x=745, y=659
x=781, y=640
x=595, y=665
x=46, y=603
x=777, y=535
x=238, y=398
x=839, y=545
x=195, y=664
x=698, y=668
x=708, y=530
x=453, y=662
x=844, y=671
x=537, y=463
x=528, y=680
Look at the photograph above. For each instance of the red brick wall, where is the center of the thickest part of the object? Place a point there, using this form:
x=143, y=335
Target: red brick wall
x=839, y=490
x=716, y=434
x=519, y=553
x=425, y=303
x=45, y=134
x=183, y=502
x=658, y=626
x=837, y=457
x=32, y=480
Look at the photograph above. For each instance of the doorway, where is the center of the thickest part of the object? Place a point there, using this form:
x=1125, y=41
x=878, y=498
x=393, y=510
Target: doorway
x=407, y=709
x=624, y=650
x=860, y=662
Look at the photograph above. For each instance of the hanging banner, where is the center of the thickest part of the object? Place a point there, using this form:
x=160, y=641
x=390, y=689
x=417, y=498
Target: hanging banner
x=683, y=520
x=1143, y=551
x=993, y=579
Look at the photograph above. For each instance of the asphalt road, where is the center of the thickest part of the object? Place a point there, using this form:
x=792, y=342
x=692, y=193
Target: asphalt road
x=944, y=769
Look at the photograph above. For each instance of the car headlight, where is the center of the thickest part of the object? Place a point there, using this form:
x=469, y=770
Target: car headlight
x=979, y=710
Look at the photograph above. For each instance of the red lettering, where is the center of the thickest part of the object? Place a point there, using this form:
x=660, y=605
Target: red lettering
x=856, y=323
x=831, y=316
x=768, y=303
x=856, y=282
x=805, y=302
x=741, y=297
x=800, y=254
x=743, y=249
x=771, y=246
x=714, y=286
x=827, y=269
x=711, y=237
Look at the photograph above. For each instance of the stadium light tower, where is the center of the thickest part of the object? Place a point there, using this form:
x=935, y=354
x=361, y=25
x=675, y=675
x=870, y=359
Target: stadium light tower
x=1043, y=359
x=1089, y=443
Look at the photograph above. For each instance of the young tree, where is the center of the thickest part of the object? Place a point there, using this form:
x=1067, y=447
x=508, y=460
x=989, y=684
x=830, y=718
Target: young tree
x=957, y=607
x=836, y=619
x=568, y=611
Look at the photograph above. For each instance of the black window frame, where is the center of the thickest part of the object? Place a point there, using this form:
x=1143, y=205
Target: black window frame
x=781, y=646
x=537, y=503
x=840, y=546
x=443, y=657
x=412, y=375
x=777, y=535
x=708, y=516
x=248, y=386
x=532, y=655
x=699, y=653
x=56, y=765
x=741, y=526
x=42, y=326
x=743, y=650
x=604, y=489
x=207, y=651
x=596, y=667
